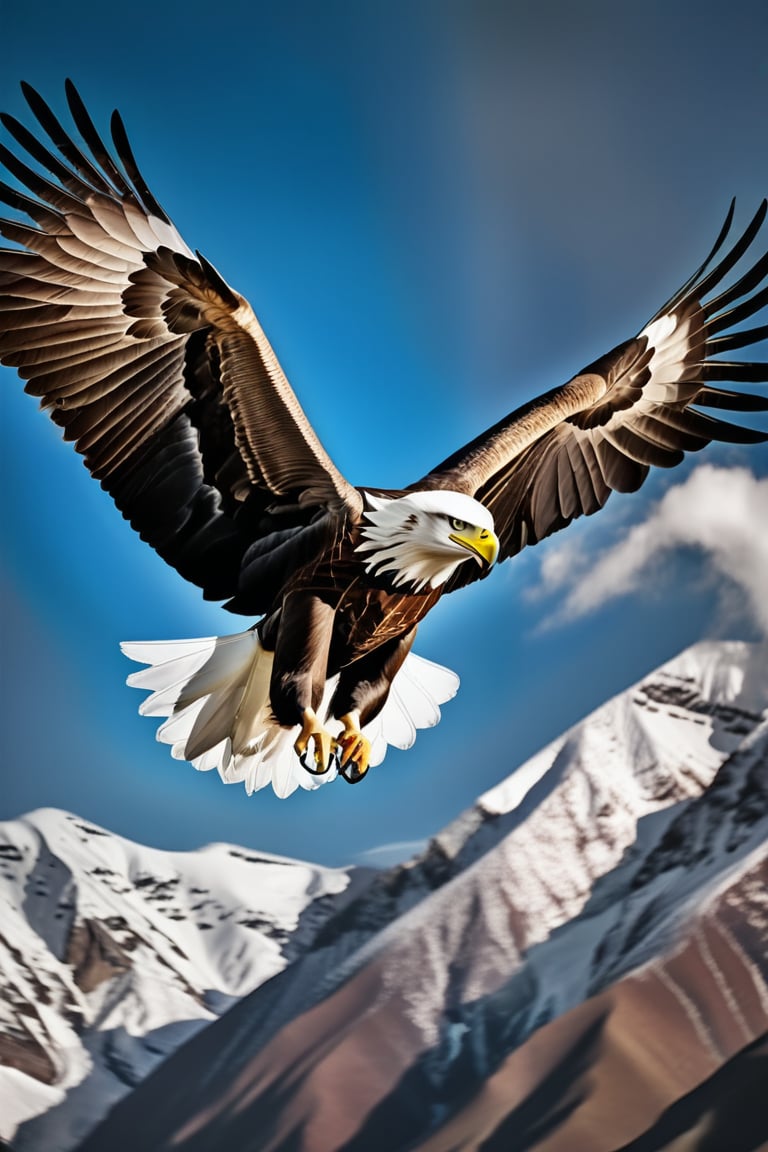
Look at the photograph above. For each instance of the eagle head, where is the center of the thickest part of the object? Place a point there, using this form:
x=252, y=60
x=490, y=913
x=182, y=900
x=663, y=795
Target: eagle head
x=421, y=538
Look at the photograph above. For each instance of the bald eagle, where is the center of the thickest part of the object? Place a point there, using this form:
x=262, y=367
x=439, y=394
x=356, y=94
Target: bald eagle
x=161, y=375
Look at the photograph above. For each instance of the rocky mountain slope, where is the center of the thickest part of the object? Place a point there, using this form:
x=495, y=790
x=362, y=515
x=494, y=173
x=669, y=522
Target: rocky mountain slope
x=112, y=954
x=568, y=960
x=568, y=965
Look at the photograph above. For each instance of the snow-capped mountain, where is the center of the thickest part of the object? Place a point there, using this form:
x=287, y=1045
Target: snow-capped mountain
x=599, y=920
x=112, y=954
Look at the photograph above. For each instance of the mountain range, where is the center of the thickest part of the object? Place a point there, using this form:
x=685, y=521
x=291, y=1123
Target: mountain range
x=112, y=954
x=579, y=961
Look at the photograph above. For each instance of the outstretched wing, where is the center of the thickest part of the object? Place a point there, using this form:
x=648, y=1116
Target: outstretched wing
x=157, y=370
x=562, y=455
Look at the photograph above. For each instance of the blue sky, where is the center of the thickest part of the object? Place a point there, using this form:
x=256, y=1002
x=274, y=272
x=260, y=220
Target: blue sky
x=437, y=210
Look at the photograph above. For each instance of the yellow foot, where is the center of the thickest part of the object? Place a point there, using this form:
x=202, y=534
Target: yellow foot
x=355, y=750
x=324, y=745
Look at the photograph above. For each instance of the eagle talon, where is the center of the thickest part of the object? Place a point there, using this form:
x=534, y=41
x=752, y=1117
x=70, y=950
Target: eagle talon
x=355, y=750
x=315, y=766
x=325, y=749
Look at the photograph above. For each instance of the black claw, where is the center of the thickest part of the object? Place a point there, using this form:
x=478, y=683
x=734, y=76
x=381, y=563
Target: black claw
x=352, y=774
x=314, y=769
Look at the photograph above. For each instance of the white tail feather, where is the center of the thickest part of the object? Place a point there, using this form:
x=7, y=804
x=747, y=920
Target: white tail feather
x=214, y=693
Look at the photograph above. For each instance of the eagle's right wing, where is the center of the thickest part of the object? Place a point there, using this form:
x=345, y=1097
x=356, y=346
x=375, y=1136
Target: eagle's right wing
x=157, y=370
x=561, y=456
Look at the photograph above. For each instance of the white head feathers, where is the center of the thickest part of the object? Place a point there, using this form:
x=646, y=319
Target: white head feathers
x=408, y=537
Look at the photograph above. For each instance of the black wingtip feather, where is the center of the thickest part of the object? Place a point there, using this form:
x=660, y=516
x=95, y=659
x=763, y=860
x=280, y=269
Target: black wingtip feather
x=739, y=312
x=732, y=401
x=734, y=255
x=737, y=372
x=125, y=152
x=723, y=430
x=83, y=171
x=682, y=292
x=742, y=338
x=33, y=147
x=90, y=135
x=742, y=287
x=39, y=107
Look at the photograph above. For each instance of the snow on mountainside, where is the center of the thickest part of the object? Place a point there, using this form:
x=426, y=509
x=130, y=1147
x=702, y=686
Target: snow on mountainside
x=629, y=855
x=112, y=954
x=552, y=827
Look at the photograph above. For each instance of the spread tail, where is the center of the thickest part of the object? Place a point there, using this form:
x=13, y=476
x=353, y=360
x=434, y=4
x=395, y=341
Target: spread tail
x=214, y=694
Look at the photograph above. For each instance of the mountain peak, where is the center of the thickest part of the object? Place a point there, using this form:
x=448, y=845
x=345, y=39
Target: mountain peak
x=112, y=953
x=615, y=872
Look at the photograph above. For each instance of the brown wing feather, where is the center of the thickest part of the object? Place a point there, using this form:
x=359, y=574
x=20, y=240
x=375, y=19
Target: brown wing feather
x=563, y=454
x=155, y=368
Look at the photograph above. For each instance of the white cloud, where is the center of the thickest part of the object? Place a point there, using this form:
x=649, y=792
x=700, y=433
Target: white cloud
x=723, y=511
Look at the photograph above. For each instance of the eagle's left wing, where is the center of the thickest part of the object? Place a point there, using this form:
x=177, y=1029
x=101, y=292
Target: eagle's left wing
x=563, y=454
x=156, y=369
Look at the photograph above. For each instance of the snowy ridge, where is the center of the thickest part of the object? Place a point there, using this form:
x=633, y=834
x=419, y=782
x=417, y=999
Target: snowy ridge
x=521, y=913
x=574, y=808
x=112, y=954
x=616, y=881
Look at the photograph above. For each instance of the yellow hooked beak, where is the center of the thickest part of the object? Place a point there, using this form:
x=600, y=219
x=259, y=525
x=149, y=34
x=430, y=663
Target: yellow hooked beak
x=481, y=542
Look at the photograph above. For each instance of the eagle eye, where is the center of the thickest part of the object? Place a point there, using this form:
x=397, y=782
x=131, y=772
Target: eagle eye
x=458, y=525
